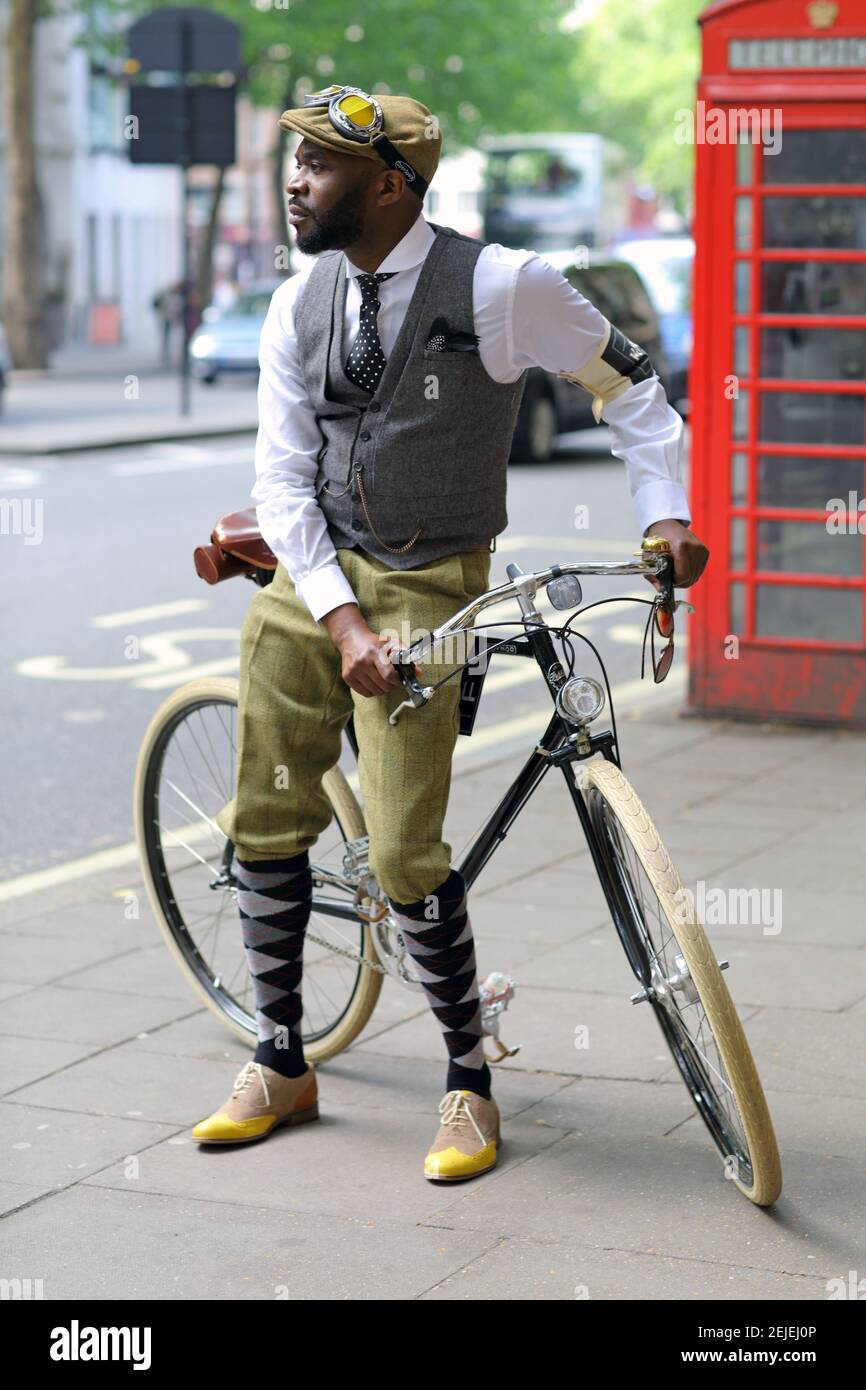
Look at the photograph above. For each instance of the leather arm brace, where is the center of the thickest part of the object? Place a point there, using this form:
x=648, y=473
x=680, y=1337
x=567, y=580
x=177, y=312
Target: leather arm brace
x=613, y=367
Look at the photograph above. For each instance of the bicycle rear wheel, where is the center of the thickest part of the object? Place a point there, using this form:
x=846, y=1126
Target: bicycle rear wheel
x=681, y=978
x=185, y=774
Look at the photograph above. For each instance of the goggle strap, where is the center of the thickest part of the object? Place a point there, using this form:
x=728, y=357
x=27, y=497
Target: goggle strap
x=394, y=159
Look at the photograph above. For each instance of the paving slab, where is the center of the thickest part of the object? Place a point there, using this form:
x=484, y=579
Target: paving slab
x=157, y=1246
x=669, y=1197
x=516, y=1268
x=54, y=1148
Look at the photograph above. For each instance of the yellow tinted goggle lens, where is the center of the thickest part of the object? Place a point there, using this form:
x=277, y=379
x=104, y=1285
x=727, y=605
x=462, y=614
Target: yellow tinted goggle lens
x=357, y=110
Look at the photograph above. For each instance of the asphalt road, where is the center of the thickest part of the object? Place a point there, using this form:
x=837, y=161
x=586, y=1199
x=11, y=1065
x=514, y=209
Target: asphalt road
x=105, y=616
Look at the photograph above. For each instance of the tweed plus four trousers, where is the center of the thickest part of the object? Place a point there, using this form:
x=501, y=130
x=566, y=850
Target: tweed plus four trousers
x=294, y=705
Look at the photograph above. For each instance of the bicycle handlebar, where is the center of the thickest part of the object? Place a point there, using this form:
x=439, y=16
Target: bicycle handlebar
x=525, y=585
x=655, y=562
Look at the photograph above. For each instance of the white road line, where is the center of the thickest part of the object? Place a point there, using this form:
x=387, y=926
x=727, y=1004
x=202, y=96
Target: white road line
x=155, y=465
x=632, y=693
x=146, y=615
x=583, y=547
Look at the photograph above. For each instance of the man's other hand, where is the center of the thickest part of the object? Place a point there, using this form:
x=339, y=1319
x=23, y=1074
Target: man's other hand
x=689, y=554
x=366, y=665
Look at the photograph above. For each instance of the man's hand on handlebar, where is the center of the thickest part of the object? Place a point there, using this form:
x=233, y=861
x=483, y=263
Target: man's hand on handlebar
x=688, y=552
x=367, y=667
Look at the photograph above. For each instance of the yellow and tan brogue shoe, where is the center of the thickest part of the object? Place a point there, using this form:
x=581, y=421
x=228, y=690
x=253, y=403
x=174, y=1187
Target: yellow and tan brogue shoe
x=260, y=1100
x=467, y=1140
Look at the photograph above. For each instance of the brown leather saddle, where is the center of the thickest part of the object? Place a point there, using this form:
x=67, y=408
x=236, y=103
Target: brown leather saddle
x=236, y=547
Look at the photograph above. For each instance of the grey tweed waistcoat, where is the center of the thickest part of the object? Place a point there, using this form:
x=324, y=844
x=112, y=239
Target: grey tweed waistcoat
x=428, y=451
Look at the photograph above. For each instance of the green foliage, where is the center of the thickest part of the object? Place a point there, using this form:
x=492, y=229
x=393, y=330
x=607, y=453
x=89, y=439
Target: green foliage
x=643, y=60
x=625, y=73
x=514, y=58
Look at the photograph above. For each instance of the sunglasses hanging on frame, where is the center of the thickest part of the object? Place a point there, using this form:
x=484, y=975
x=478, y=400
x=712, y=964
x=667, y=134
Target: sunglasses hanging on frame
x=661, y=621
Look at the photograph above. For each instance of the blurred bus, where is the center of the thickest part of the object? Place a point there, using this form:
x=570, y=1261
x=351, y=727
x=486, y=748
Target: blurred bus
x=554, y=191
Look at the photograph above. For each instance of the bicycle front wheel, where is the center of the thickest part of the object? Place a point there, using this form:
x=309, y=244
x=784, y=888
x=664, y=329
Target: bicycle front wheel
x=682, y=980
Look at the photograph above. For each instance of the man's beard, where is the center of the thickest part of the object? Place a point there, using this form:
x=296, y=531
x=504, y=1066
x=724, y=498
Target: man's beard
x=340, y=226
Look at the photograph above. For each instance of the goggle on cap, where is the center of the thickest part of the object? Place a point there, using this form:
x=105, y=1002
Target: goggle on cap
x=345, y=119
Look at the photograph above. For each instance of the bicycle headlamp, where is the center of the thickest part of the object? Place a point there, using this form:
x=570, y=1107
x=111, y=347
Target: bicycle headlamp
x=565, y=592
x=580, y=700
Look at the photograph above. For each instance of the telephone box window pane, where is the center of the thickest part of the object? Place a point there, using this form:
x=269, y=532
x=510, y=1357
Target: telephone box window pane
x=738, y=543
x=833, y=222
x=737, y=607
x=788, y=480
x=745, y=161
x=814, y=354
x=807, y=547
x=817, y=156
x=739, y=480
x=742, y=287
x=791, y=610
x=743, y=216
x=813, y=287
x=741, y=415
x=741, y=351
x=791, y=417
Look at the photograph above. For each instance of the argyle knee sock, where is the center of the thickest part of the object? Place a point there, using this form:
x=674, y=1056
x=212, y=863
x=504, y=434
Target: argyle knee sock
x=274, y=900
x=438, y=936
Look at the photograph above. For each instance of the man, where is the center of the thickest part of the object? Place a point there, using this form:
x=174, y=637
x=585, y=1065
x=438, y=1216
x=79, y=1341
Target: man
x=381, y=477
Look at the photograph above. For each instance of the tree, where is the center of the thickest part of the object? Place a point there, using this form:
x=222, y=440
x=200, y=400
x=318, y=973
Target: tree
x=23, y=311
x=644, y=61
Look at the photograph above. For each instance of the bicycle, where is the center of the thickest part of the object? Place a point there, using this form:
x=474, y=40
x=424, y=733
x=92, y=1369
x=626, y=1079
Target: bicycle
x=352, y=941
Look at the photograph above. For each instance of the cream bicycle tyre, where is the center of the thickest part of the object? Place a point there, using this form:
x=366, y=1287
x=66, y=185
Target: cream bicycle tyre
x=730, y=1040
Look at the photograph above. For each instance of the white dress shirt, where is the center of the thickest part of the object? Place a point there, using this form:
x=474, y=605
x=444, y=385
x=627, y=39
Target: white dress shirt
x=526, y=315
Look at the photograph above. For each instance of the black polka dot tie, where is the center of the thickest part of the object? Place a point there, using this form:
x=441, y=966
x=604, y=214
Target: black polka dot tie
x=366, y=362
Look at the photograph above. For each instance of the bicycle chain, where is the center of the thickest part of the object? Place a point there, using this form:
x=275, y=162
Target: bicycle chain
x=346, y=951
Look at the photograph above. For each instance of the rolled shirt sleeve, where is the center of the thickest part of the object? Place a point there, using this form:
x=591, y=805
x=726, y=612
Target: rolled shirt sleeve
x=557, y=328
x=286, y=454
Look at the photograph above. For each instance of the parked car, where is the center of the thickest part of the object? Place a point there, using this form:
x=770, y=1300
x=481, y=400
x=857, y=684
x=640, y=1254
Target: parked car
x=552, y=405
x=227, y=339
x=665, y=265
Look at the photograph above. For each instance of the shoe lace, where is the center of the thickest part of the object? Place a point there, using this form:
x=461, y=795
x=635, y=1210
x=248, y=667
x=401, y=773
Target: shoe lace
x=454, y=1109
x=246, y=1075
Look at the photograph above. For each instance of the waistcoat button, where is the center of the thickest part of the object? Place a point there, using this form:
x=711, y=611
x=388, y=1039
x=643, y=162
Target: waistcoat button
x=375, y=405
x=356, y=525
x=365, y=434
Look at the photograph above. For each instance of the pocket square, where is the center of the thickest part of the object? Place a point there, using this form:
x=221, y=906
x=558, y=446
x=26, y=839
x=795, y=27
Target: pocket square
x=443, y=338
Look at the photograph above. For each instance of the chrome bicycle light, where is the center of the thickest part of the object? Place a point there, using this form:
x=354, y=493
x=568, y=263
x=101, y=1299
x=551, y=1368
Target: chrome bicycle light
x=565, y=592
x=580, y=700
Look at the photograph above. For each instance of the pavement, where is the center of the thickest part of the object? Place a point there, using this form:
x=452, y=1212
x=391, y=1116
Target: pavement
x=607, y=1185
x=99, y=398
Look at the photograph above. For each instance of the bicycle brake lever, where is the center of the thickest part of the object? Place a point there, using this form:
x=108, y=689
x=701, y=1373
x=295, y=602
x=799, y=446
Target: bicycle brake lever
x=418, y=694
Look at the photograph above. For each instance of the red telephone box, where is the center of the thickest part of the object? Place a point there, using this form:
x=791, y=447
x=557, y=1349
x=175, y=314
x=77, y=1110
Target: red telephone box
x=778, y=380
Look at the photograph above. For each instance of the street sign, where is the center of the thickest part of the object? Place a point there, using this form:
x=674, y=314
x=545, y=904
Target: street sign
x=186, y=122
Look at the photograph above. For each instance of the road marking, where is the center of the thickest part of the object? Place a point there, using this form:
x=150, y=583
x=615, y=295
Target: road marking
x=173, y=465
x=147, y=615
x=17, y=479
x=163, y=647
x=583, y=547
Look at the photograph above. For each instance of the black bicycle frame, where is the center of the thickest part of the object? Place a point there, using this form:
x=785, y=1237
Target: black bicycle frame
x=556, y=747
